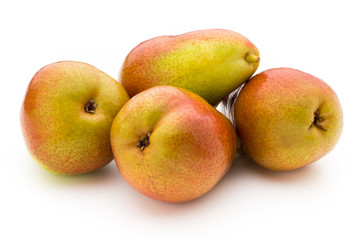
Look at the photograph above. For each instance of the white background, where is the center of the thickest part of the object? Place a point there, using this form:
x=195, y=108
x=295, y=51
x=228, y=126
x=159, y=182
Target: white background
x=316, y=202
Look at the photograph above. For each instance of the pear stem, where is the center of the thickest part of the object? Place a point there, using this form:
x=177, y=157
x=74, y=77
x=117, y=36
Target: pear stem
x=251, y=57
x=144, y=142
x=90, y=106
x=317, y=120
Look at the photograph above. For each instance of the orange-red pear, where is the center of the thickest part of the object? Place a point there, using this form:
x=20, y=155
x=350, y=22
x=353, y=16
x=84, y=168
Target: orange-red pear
x=171, y=145
x=287, y=119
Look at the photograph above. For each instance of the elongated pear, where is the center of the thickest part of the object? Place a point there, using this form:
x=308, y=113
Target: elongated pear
x=211, y=63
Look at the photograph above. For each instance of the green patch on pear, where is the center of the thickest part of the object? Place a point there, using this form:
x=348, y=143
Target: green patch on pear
x=211, y=63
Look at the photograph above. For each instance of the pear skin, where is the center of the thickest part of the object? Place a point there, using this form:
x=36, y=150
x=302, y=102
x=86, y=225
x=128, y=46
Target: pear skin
x=67, y=114
x=287, y=119
x=211, y=63
x=171, y=145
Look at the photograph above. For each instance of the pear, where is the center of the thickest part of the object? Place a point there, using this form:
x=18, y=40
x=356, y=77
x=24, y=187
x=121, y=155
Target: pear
x=67, y=114
x=171, y=145
x=211, y=63
x=287, y=118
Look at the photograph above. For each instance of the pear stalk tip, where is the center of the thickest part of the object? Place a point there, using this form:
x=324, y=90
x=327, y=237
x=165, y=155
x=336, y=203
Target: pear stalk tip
x=252, y=57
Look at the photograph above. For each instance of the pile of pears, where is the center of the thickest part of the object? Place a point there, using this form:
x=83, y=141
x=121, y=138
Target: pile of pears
x=160, y=123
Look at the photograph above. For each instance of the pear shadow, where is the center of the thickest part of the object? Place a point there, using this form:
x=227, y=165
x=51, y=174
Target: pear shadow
x=159, y=208
x=214, y=196
x=303, y=174
x=243, y=171
x=98, y=177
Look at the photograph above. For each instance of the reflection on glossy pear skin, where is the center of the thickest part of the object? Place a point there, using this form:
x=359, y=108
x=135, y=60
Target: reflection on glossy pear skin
x=211, y=63
x=287, y=119
x=171, y=145
x=67, y=114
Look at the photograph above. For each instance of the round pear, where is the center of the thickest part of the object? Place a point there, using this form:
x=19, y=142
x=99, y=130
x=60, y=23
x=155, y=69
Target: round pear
x=67, y=114
x=287, y=119
x=171, y=145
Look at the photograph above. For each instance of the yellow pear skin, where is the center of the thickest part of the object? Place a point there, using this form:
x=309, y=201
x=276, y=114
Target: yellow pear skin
x=171, y=145
x=287, y=118
x=211, y=63
x=67, y=114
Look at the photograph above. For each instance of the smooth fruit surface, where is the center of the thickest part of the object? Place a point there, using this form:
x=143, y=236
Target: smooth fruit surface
x=67, y=115
x=171, y=145
x=211, y=63
x=287, y=118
